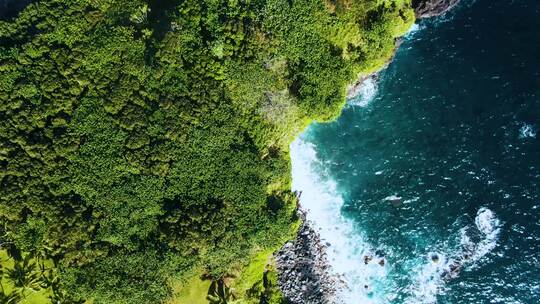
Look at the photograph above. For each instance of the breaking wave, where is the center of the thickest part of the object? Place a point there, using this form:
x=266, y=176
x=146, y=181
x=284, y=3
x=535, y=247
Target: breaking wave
x=438, y=268
x=367, y=275
x=322, y=203
x=527, y=131
x=365, y=93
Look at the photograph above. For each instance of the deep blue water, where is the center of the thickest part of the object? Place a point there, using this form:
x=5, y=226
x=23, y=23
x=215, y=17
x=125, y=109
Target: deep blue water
x=440, y=171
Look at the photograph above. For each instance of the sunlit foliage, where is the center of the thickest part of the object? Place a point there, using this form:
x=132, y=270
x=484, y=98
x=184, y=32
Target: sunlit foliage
x=140, y=140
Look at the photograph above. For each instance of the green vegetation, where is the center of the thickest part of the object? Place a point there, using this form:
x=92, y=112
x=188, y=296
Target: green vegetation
x=194, y=291
x=144, y=141
x=26, y=280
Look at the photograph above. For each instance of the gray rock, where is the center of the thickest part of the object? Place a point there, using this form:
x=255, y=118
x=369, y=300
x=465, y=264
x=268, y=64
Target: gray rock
x=432, y=8
x=303, y=271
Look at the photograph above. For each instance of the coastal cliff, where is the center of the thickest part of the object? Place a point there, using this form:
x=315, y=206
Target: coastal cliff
x=145, y=144
x=305, y=275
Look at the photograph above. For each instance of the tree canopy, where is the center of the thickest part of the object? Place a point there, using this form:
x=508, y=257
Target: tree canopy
x=141, y=141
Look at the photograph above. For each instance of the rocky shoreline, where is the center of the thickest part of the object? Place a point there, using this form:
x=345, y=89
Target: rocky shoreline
x=432, y=8
x=304, y=272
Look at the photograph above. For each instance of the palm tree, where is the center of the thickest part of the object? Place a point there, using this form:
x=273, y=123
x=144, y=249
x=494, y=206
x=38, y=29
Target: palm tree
x=12, y=251
x=48, y=277
x=24, y=275
x=11, y=298
x=219, y=293
x=141, y=15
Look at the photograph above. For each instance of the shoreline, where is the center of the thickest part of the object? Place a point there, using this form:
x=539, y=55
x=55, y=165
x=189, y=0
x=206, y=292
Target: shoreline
x=305, y=275
x=304, y=270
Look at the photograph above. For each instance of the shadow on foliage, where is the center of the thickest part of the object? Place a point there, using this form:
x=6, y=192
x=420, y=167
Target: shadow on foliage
x=160, y=14
x=11, y=8
x=220, y=293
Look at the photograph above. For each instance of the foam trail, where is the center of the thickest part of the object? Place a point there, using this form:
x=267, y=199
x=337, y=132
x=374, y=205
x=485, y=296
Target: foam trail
x=431, y=276
x=527, y=131
x=323, y=204
x=489, y=226
x=365, y=93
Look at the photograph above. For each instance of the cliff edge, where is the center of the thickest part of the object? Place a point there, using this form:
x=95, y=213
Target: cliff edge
x=432, y=8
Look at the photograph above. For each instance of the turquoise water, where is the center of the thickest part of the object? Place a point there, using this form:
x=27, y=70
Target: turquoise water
x=435, y=168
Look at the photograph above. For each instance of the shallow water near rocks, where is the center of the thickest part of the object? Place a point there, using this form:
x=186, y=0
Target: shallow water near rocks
x=436, y=173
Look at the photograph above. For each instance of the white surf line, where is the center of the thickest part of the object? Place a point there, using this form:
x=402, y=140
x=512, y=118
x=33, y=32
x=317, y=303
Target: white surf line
x=367, y=280
x=347, y=249
x=414, y=28
x=365, y=93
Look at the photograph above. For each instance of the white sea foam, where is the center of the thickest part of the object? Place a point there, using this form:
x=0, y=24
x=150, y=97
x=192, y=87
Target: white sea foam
x=370, y=282
x=489, y=227
x=411, y=200
x=365, y=93
x=527, y=131
x=430, y=277
x=428, y=282
x=413, y=29
x=392, y=197
x=323, y=203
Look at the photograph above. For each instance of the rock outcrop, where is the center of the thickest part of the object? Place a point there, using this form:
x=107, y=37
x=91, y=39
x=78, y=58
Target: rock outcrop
x=432, y=8
x=305, y=276
x=304, y=271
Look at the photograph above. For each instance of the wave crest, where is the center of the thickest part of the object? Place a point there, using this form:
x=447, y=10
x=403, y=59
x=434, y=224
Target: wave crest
x=364, y=93
x=368, y=276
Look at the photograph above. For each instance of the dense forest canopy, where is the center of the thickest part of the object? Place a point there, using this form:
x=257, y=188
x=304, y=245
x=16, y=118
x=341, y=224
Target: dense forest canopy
x=144, y=142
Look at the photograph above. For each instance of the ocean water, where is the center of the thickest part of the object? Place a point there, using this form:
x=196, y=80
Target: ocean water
x=427, y=187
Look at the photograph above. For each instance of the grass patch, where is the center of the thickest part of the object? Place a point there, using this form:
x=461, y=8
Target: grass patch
x=193, y=291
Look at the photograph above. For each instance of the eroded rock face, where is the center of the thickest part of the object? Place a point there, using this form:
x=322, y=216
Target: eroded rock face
x=432, y=8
